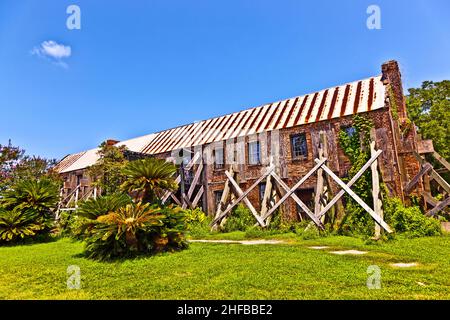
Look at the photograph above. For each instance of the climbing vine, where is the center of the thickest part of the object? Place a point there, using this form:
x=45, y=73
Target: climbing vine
x=356, y=146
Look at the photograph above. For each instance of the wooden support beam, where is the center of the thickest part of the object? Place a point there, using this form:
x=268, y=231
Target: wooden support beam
x=319, y=187
x=426, y=168
x=350, y=183
x=223, y=214
x=197, y=197
x=296, y=199
x=434, y=175
x=429, y=198
x=245, y=199
x=195, y=180
x=175, y=199
x=439, y=158
x=379, y=220
x=377, y=204
x=291, y=191
x=267, y=196
x=441, y=205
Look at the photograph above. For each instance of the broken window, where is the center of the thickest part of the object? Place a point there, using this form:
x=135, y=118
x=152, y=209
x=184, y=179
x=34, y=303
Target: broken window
x=219, y=158
x=254, y=153
x=299, y=146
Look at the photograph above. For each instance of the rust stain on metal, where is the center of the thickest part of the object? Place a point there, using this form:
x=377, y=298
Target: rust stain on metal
x=311, y=107
x=244, y=126
x=252, y=125
x=281, y=114
x=264, y=117
x=357, y=97
x=272, y=116
x=294, y=105
x=333, y=103
x=322, y=105
x=300, y=111
x=345, y=100
x=371, y=95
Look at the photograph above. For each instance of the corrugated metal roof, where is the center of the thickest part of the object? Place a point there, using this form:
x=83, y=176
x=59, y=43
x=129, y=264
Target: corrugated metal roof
x=348, y=99
x=88, y=158
x=356, y=97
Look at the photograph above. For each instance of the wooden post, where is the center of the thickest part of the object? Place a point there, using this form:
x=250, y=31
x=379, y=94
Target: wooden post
x=377, y=204
x=76, y=196
x=247, y=202
x=266, y=199
x=345, y=188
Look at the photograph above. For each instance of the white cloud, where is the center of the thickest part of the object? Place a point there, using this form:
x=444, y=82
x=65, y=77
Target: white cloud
x=54, y=51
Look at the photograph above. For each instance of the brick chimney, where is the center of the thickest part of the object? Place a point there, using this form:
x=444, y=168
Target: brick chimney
x=392, y=79
x=111, y=142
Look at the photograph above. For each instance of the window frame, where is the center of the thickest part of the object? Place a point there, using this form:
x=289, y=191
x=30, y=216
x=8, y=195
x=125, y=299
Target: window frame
x=218, y=166
x=293, y=153
x=258, y=153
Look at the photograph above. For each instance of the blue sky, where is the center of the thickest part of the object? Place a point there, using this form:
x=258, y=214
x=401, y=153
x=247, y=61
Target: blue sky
x=137, y=67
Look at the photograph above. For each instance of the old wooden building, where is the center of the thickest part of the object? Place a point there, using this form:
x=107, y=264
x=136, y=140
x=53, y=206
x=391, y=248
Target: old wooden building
x=288, y=134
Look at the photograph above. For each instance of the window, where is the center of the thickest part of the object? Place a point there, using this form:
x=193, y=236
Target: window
x=219, y=159
x=350, y=131
x=299, y=146
x=217, y=198
x=254, y=155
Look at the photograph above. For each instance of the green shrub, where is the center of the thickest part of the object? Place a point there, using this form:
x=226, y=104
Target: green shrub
x=18, y=226
x=134, y=229
x=26, y=210
x=409, y=221
x=40, y=196
x=197, y=223
x=100, y=206
x=241, y=219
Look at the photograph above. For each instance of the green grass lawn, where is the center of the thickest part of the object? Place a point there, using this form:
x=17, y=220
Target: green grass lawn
x=233, y=271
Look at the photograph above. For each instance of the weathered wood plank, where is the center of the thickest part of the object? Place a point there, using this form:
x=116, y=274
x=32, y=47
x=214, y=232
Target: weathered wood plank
x=197, y=197
x=377, y=204
x=267, y=196
x=426, y=168
x=439, y=207
x=195, y=180
x=245, y=199
x=296, y=199
x=350, y=183
x=356, y=198
x=294, y=188
x=439, y=158
x=257, y=182
x=429, y=198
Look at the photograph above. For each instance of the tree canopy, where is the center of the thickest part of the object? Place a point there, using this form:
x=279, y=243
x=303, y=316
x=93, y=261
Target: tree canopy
x=429, y=108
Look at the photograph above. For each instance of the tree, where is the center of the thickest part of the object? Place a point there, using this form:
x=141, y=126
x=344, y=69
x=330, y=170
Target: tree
x=107, y=172
x=148, y=178
x=9, y=157
x=429, y=108
x=35, y=167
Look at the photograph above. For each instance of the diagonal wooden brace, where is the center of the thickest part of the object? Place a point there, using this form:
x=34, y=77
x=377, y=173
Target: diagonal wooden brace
x=290, y=193
x=350, y=183
x=245, y=199
x=257, y=182
x=376, y=217
x=296, y=199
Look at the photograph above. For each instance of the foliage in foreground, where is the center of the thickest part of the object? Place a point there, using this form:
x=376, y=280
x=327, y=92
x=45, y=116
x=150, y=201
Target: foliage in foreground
x=409, y=221
x=115, y=226
x=26, y=210
x=149, y=178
